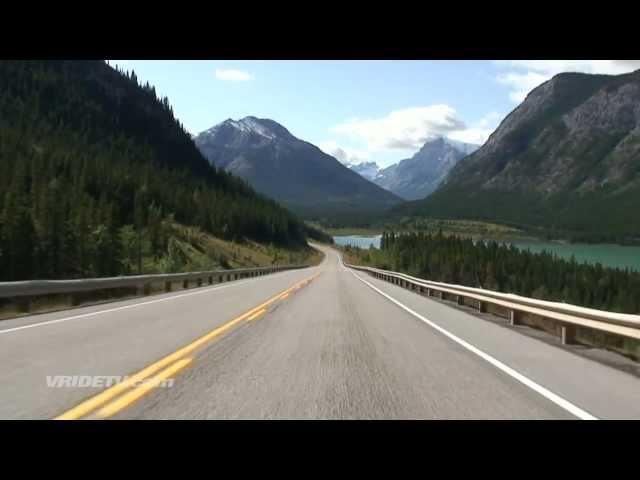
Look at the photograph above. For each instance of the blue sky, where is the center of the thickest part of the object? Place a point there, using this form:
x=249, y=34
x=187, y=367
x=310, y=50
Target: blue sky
x=380, y=111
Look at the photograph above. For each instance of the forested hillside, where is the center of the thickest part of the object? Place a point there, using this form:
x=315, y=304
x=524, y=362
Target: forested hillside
x=94, y=167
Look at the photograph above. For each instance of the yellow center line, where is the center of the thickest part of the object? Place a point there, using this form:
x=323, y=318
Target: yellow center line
x=256, y=315
x=284, y=296
x=93, y=403
x=137, y=393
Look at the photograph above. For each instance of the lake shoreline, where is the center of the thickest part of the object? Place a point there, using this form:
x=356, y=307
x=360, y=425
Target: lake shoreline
x=607, y=254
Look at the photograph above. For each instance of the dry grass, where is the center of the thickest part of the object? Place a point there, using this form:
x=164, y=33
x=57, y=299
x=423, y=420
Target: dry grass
x=198, y=251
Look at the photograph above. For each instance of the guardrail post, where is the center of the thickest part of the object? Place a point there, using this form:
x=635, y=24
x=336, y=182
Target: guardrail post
x=460, y=300
x=167, y=286
x=567, y=334
x=482, y=307
x=74, y=299
x=512, y=317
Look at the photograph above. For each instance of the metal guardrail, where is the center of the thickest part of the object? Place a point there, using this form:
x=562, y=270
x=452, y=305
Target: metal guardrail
x=567, y=316
x=31, y=288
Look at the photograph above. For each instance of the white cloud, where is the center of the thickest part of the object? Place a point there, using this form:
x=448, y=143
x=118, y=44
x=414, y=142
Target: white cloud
x=522, y=76
x=401, y=133
x=231, y=75
x=348, y=156
x=405, y=129
x=480, y=131
x=522, y=83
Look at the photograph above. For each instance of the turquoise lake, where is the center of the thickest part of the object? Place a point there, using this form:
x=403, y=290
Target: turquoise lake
x=607, y=255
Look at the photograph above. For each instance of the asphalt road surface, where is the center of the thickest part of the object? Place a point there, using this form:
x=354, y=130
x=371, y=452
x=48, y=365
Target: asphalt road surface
x=319, y=343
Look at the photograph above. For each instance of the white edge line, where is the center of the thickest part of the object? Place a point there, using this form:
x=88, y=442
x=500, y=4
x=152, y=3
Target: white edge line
x=125, y=307
x=549, y=395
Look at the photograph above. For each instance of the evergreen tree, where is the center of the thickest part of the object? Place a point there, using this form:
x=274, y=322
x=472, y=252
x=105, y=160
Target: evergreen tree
x=86, y=152
x=505, y=268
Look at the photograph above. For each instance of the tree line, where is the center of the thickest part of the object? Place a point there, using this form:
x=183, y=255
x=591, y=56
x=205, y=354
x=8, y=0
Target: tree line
x=496, y=266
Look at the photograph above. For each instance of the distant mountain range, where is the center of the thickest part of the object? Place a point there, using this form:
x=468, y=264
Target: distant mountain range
x=288, y=169
x=368, y=170
x=416, y=177
x=566, y=159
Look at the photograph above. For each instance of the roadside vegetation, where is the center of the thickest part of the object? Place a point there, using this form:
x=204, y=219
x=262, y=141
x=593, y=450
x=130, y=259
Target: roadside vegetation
x=191, y=249
x=494, y=266
x=95, y=169
x=188, y=249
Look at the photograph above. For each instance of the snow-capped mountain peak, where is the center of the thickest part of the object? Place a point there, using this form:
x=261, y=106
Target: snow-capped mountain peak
x=416, y=177
x=262, y=127
x=368, y=170
x=466, y=148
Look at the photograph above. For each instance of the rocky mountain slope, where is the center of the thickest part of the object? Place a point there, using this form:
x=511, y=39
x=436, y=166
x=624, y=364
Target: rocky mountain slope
x=368, y=170
x=418, y=176
x=567, y=160
x=292, y=171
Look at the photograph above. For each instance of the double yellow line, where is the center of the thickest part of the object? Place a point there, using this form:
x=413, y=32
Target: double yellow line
x=128, y=391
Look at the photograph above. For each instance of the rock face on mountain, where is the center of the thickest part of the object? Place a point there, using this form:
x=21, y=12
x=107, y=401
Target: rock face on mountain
x=567, y=160
x=292, y=171
x=418, y=176
x=368, y=170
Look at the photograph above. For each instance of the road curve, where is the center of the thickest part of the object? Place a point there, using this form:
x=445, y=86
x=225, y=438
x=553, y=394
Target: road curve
x=319, y=343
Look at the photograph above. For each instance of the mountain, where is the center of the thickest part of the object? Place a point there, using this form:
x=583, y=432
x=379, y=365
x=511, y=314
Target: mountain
x=566, y=160
x=368, y=170
x=418, y=176
x=95, y=171
x=292, y=171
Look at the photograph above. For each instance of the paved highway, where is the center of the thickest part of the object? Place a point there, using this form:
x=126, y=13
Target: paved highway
x=319, y=343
